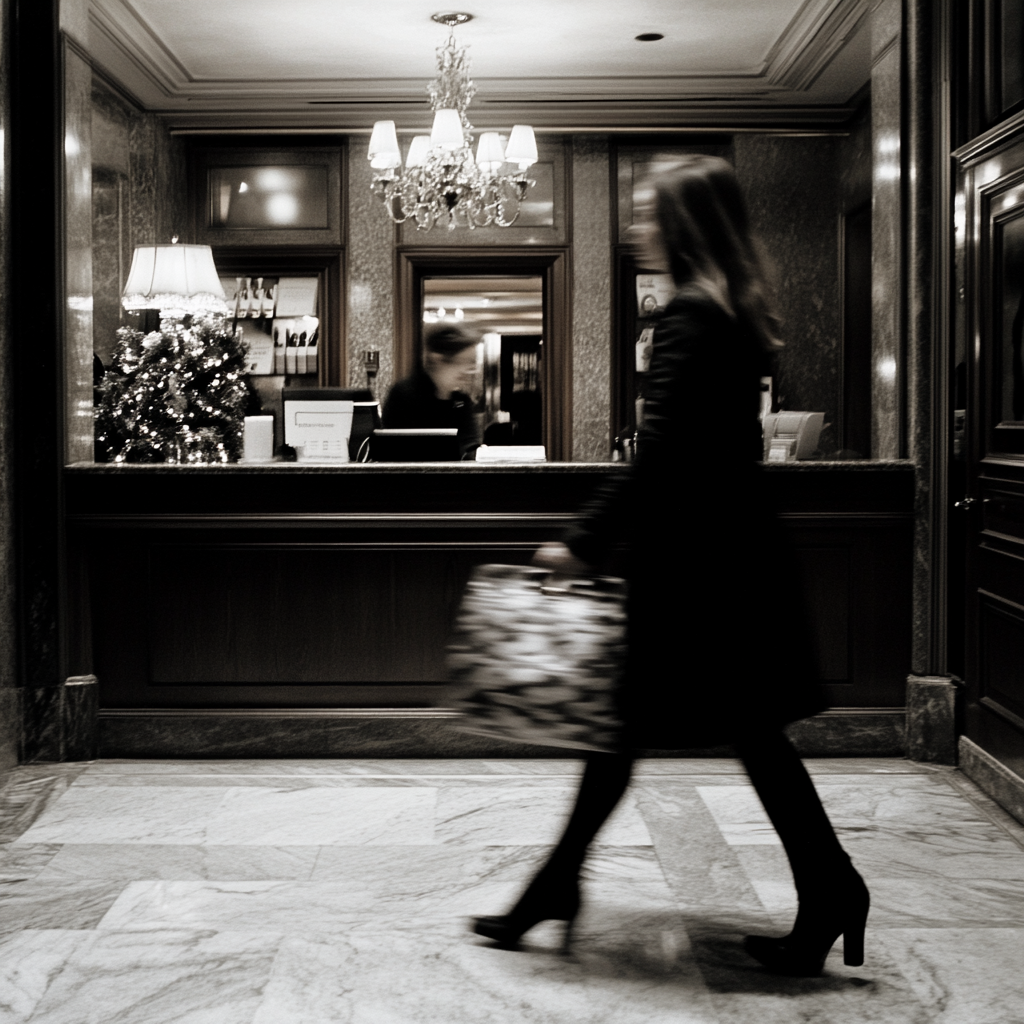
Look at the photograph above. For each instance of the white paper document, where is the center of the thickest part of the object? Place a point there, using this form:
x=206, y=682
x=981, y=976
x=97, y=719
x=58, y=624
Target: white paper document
x=296, y=296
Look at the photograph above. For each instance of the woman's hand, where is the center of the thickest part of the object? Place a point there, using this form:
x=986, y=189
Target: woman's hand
x=559, y=559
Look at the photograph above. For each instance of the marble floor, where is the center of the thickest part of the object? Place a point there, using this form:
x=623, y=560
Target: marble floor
x=307, y=892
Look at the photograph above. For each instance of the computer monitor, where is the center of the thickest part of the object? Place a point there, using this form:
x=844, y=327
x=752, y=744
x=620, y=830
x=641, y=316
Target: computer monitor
x=439, y=444
x=365, y=411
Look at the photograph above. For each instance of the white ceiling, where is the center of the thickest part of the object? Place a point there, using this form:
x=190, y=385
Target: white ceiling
x=555, y=63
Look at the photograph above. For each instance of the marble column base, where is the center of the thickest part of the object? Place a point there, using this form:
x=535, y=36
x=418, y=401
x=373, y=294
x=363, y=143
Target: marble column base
x=10, y=727
x=427, y=733
x=59, y=722
x=79, y=711
x=987, y=773
x=932, y=703
x=41, y=723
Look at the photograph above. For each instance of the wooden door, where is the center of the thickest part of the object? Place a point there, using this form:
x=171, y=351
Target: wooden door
x=991, y=288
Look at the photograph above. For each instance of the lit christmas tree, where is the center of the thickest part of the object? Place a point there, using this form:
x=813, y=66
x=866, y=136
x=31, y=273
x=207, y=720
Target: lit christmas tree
x=179, y=394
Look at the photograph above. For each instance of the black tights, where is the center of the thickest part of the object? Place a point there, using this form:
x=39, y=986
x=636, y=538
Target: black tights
x=781, y=781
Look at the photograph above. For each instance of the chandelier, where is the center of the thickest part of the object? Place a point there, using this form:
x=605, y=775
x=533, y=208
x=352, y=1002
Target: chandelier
x=442, y=179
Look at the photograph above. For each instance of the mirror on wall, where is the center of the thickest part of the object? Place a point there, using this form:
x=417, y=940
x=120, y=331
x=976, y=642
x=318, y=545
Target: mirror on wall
x=507, y=312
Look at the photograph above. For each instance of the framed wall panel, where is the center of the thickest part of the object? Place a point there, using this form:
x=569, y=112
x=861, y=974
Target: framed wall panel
x=259, y=196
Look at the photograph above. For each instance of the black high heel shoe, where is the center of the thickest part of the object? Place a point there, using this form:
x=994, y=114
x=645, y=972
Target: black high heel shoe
x=546, y=899
x=802, y=953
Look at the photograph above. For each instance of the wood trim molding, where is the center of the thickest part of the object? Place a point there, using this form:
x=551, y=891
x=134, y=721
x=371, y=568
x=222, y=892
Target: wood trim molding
x=328, y=264
x=413, y=263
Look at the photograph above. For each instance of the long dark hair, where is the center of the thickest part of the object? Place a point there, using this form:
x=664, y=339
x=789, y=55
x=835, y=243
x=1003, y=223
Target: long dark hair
x=705, y=232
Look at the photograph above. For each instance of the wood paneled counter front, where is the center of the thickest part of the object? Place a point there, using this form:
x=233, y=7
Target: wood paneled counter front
x=240, y=595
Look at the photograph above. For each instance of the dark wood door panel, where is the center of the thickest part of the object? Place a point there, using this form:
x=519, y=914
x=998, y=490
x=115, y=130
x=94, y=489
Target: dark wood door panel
x=857, y=580
x=1001, y=656
x=1000, y=571
x=827, y=583
x=990, y=264
x=287, y=615
x=319, y=590
x=208, y=625
x=1003, y=514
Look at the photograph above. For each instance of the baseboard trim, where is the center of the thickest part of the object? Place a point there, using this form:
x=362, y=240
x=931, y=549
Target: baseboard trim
x=421, y=733
x=991, y=776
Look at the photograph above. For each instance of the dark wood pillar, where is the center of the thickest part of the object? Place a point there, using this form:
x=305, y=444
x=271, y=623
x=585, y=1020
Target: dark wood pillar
x=36, y=433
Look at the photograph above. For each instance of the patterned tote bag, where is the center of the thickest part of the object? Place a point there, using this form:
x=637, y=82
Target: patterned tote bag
x=536, y=663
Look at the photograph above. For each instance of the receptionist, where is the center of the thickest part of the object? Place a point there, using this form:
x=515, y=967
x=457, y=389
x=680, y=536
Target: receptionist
x=437, y=394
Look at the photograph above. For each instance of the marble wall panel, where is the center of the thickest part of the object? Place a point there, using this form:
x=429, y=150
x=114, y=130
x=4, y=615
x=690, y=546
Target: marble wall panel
x=868, y=734
x=932, y=719
x=996, y=779
x=170, y=173
x=792, y=190
x=853, y=168
x=142, y=174
x=139, y=197
x=78, y=340
x=10, y=726
x=591, y=300
x=111, y=245
x=370, y=274
x=41, y=722
x=886, y=248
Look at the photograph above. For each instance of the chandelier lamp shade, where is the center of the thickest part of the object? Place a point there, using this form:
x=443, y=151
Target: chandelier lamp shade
x=442, y=180
x=176, y=279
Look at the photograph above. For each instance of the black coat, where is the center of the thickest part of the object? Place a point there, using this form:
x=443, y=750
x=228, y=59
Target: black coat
x=413, y=402
x=718, y=643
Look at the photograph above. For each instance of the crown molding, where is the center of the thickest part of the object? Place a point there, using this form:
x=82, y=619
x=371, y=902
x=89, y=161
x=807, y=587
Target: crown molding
x=820, y=29
x=128, y=51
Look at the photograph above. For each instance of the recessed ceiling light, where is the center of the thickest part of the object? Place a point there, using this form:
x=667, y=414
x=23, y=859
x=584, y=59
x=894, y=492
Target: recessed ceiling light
x=649, y=37
x=451, y=18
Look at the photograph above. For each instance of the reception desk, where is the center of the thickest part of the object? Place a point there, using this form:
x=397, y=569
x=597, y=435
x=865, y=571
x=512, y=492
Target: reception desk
x=297, y=610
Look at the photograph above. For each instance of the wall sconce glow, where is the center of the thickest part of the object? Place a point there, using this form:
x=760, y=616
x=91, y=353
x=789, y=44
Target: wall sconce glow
x=243, y=187
x=887, y=171
x=72, y=147
x=960, y=213
x=887, y=369
x=282, y=208
x=888, y=145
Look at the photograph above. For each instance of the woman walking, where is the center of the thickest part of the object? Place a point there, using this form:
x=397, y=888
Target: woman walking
x=717, y=651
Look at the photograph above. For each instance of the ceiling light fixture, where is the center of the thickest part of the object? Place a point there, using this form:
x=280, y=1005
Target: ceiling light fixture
x=649, y=37
x=442, y=179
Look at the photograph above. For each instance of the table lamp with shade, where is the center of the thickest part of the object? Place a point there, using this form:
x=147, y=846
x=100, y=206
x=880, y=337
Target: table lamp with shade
x=176, y=280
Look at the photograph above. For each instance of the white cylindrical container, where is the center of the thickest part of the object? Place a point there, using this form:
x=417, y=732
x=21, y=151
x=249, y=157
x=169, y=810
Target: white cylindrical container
x=258, y=439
